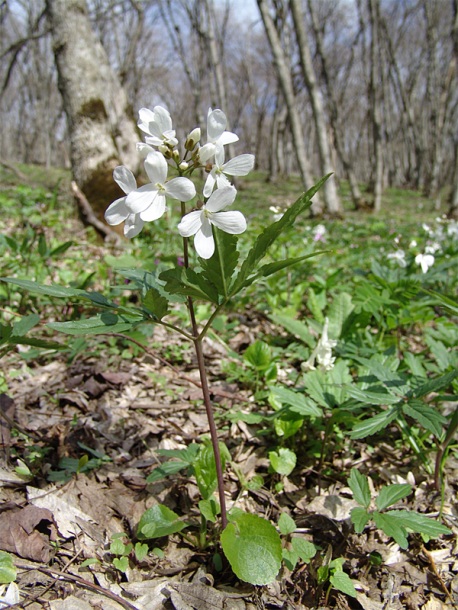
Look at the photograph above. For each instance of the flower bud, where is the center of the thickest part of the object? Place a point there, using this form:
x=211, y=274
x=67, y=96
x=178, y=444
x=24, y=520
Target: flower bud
x=192, y=139
x=183, y=165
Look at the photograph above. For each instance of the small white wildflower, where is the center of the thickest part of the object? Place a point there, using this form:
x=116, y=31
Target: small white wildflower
x=399, y=256
x=425, y=261
x=322, y=353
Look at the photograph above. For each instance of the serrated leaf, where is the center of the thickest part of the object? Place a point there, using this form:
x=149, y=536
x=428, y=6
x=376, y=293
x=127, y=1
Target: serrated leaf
x=305, y=549
x=158, y=521
x=421, y=524
x=360, y=518
x=219, y=269
x=253, y=548
x=428, y=417
x=371, y=397
x=390, y=494
x=392, y=527
x=342, y=582
x=374, y=424
x=106, y=322
x=359, y=485
x=155, y=303
x=187, y=282
x=259, y=355
x=295, y=327
x=270, y=234
x=434, y=385
x=286, y=524
x=298, y=402
x=283, y=461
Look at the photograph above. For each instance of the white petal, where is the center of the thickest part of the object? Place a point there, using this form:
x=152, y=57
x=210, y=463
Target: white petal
x=133, y=226
x=227, y=137
x=125, y=178
x=203, y=241
x=219, y=157
x=209, y=185
x=222, y=181
x=221, y=198
x=156, y=167
x=155, y=210
x=182, y=189
x=230, y=222
x=117, y=212
x=146, y=116
x=139, y=200
x=216, y=124
x=144, y=149
x=154, y=140
x=190, y=223
x=239, y=166
x=163, y=120
x=206, y=152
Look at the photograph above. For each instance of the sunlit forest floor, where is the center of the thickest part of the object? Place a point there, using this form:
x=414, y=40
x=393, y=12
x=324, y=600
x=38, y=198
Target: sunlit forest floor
x=85, y=423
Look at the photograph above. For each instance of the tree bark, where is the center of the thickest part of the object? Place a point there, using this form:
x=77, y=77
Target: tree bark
x=102, y=134
x=374, y=96
x=453, y=208
x=330, y=195
x=286, y=85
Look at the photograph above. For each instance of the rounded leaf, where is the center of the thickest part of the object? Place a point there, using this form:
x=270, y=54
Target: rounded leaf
x=158, y=521
x=252, y=546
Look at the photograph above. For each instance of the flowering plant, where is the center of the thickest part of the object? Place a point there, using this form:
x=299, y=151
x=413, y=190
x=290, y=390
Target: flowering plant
x=215, y=278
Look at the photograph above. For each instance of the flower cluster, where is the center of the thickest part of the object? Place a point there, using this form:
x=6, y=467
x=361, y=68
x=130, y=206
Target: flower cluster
x=322, y=354
x=148, y=202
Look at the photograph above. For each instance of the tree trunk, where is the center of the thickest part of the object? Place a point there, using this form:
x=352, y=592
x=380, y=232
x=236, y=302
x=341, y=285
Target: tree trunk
x=453, y=209
x=286, y=84
x=331, y=198
x=102, y=134
x=374, y=96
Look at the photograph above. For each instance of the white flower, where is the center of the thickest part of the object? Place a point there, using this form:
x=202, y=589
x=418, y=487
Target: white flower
x=217, y=136
x=452, y=229
x=322, y=352
x=399, y=256
x=319, y=232
x=157, y=124
x=148, y=201
x=413, y=244
x=432, y=248
x=238, y=166
x=425, y=261
x=118, y=211
x=199, y=222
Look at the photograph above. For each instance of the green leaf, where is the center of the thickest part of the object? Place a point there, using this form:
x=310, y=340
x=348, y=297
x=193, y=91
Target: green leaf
x=141, y=551
x=434, y=385
x=359, y=485
x=219, y=269
x=106, y=322
x=392, y=527
x=259, y=355
x=390, y=494
x=121, y=563
x=270, y=234
x=51, y=291
x=117, y=547
x=25, y=324
x=421, y=524
x=283, y=461
x=205, y=469
x=305, y=549
x=290, y=558
x=252, y=546
x=374, y=424
x=158, y=521
x=271, y=268
x=298, y=402
x=7, y=568
x=165, y=470
x=338, y=312
x=360, y=518
x=371, y=397
x=210, y=509
x=155, y=303
x=316, y=303
x=187, y=282
x=428, y=417
x=286, y=524
x=295, y=327
x=342, y=582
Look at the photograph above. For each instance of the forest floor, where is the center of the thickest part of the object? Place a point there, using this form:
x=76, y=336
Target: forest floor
x=118, y=407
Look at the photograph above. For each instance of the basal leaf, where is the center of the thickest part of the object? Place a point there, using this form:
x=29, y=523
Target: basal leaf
x=252, y=546
x=390, y=494
x=158, y=521
x=270, y=234
x=165, y=470
x=305, y=549
x=392, y=527
x=286, y=524
x=359, y=485
x=7, y=568
x=342, y=582
x=295, y=327
x=298, y=402
x=283, y=461
x=338, y=312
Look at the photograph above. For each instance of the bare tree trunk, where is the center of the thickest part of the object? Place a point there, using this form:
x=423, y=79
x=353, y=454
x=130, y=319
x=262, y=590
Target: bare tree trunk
x=102, y=134
x=286, y=84
x=331, y=198
x=453, y=209
x=374, y=96
x=356, y=195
